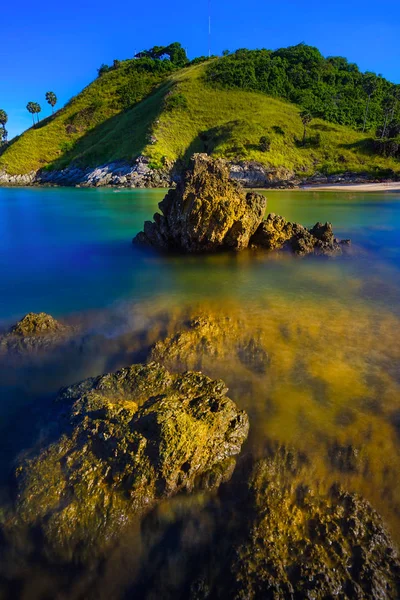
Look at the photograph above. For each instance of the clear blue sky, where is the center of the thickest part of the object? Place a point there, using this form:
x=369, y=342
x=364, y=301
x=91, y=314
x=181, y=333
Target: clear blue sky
x=58, y=46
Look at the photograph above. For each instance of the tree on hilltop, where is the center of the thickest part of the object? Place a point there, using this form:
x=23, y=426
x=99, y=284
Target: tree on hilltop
x=3, y=121
x=34, y=108
x=51, y=98
x=175, y=53
x=3, y=135
x=38, y=109
x=30, y=107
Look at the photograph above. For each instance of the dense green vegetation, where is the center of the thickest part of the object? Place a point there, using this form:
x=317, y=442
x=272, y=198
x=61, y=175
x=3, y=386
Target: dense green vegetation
x=330, y=88
x=292, y=110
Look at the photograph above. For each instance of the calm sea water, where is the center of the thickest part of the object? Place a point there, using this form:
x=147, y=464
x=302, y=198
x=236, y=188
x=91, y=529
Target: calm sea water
x=67, y=250
x=330, y=328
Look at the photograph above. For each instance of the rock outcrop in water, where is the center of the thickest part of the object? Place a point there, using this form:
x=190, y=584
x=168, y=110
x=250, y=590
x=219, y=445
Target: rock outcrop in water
x=35, y=332
x=276, y=233
x=278, y=535
x=207, y=212
x=124, y=441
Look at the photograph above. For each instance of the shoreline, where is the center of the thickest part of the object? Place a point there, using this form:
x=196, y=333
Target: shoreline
x=389, y=187
x=392, y=186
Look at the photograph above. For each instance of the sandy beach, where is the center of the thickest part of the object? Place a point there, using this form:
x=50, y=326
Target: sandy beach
x=392, y=186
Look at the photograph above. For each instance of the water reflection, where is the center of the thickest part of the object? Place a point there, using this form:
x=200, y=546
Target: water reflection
x=310, y=349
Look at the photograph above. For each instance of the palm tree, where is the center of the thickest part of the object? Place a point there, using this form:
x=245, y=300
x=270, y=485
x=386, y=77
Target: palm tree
x=38, y=109
x=3, y=121
x=306, y=118
x=52, y=100
x=31, y=107
x=3, y=135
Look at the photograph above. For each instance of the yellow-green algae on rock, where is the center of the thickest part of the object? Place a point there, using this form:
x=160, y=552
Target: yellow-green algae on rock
x=322, y=378
x=277, y=535
x=35, y=333
x=123, y=442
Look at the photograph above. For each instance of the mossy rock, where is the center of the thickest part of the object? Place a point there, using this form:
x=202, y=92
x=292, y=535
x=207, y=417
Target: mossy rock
x=276, y=233
x=35, y=332
x=123, y=442
x=207, y=212
x=277, y=535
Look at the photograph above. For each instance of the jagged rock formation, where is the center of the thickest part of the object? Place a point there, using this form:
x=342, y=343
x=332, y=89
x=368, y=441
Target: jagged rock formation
x=275, y=233
x=34, y=332
x=123, y=442
x=278, y=535
x=207, y=212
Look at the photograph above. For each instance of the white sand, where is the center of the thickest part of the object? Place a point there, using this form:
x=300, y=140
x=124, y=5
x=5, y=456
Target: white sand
x=393, y=186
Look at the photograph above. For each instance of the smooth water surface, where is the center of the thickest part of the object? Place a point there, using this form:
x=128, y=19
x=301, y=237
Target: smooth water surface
x=67, y=250
x=310, y=348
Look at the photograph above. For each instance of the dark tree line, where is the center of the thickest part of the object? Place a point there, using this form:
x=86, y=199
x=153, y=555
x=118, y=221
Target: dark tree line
x=171, y=57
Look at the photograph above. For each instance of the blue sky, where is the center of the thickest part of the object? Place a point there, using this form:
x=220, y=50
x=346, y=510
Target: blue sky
x=58, y=46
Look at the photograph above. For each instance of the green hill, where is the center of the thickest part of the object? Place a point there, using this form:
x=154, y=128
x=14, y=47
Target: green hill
x=158, y=108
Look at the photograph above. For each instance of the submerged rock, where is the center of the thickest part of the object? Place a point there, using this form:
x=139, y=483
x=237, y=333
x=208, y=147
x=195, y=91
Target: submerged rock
x=207, y=212
x=208, y=339
x=124, y=441
x=35, y=332
x=276, y=233
x=278, y=534
x=305, y=542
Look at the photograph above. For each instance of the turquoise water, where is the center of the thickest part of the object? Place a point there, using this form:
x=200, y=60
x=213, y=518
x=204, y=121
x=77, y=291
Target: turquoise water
x=326, y=332
x=67, y=250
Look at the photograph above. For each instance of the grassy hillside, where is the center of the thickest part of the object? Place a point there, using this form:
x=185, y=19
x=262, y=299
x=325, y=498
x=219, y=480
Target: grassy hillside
x=61, y=138
x=230, y=123
x=173, y=113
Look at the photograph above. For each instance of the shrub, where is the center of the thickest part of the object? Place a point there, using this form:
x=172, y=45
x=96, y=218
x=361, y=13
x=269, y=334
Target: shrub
x=66, y=146
x=176, y=101
x=265, y=143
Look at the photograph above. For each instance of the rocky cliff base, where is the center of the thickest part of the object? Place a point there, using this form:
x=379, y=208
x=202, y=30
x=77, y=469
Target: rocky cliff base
x=140, y=174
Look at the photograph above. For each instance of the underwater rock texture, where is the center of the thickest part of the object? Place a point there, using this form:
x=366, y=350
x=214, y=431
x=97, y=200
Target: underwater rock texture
x=206, y=212
x=124, y=441
x=278, y=535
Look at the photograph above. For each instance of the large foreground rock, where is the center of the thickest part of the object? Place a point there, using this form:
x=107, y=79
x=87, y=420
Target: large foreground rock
x=124, y=441
x=207, y=212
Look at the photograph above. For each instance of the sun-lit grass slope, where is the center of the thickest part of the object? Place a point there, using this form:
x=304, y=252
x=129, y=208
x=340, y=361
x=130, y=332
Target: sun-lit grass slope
x=60, y=137
x=168, y=114
x=230, y=123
